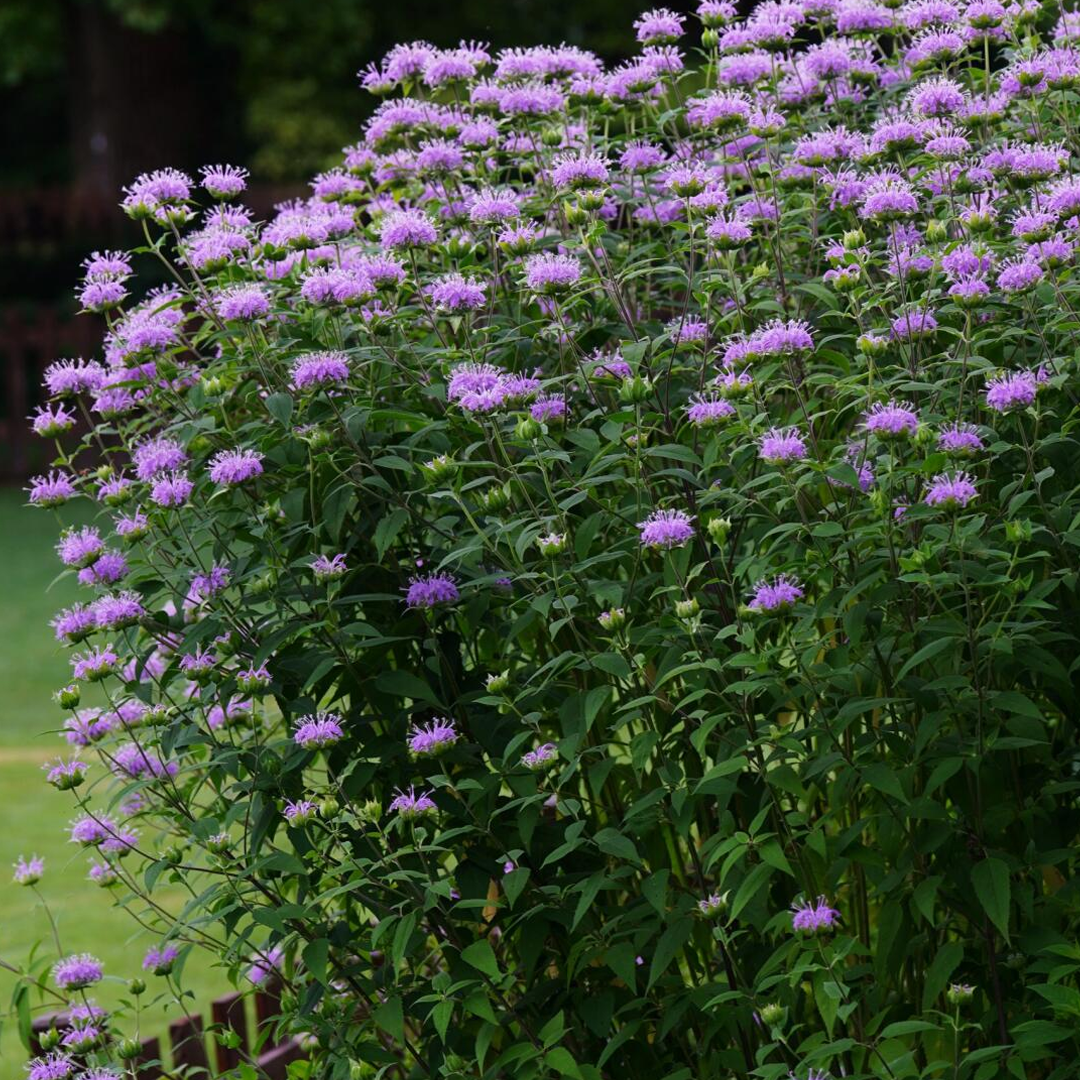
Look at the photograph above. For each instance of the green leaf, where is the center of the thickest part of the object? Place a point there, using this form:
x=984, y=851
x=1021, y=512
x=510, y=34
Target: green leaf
x=315, y=954
x=391, y=1018
x=612, y=842
x=440, y=1017
x=280, y=407
x=991, y=880
x=671, y=941
x=937, y=975
x=388, y=528
x=481, y=956
x=562, y=1061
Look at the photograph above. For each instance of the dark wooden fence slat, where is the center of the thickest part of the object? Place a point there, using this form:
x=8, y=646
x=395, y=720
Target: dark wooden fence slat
x=148, y=1063
x=188, y=1044
x=228, y=1013
x=275, y=1063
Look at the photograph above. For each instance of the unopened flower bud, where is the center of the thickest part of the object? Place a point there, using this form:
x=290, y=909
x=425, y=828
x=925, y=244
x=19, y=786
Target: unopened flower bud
x=496, y=498
x=528, y=429
x=634, y=389
x=687, y=609
x=551, y=545
x=496, y=683
x=713, y=906
x=1017, y=532
x=592, y=198
x=936, y=231
x=612, y=620
x=772, y=1014
x=575, y=214
x=709, y=38
x=128, y=1049
x=552, y=136
x=854, y=239
x=49, y=1040
x=328, y=808
x=68, y=697
x=872, y=344
x=959, y=993
x=718, y=529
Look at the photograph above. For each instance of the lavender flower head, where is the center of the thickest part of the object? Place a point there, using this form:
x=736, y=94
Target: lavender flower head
x=777, y=595
x=409, y=805
x=325, y=567
x=951, y=492
x=960, y=440
x=77, y=972
x=54, y=1066
x=433, y=739
x=666, y=529
x=780, y=446
x=159, y=961
x=1007, y=392
x=235, y=466
x=29, y=873
x=429, y=590
x=550, y=274
x=266, y=966
x=541, y=757
x=319, y=730
x=895, y=420
x=814, y=918
x=320, y=369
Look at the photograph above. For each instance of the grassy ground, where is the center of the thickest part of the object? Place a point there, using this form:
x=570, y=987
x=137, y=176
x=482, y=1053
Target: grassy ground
x=32, y=666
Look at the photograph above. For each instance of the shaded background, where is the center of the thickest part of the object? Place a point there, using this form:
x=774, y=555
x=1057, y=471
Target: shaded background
x=93, y=92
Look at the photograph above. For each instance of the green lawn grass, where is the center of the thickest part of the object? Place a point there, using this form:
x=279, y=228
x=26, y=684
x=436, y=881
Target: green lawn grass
x=32, y=666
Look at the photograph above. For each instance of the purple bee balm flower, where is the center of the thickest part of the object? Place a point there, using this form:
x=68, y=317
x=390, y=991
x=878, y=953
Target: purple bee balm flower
x=157, y=456
x=159, y=961
x=117, y=612
x=29, y=873
x=913, y=324
x=235, y=466
x=895, y=420
x=1016, y=391
x=960, y=440
x=243, y=302
x=266, y=966
x=641, y=156
x=438, y=736
x=52, y=490
x=75, y=623
x=401, y=230
x=712, y=905
x=1018, y=275
x=77, y=972
x=706, y=410
x=658, y=27
x=780, y=338
x=689, y=329
x=79, y=548
x=134, y=762
x=65, y=378
x=325, y=567
x=409, y=805
x=813, y=918
x=318, y=730
x=541, y=757
x=777, y=595
x=223, y=181
x=95, y=664
x=572, y=171
x=780, y=446
x=132, y=528
x=950, y=492
x=549, y=273
x=171, y=489
x=666, y=529
x=320, y=369
x=456, y=293
x=727, y=233
x=199, y=664
x=114, y=491
x=102, y=874
x=889, y=198
x=429, y=590
x=54, y=1066
x=936, y=97
x=107, y=570
x=549, y=409
x=301, y=812
x=720, y=110
x=52, y=420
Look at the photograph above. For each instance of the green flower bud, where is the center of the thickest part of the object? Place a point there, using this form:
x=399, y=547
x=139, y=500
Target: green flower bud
x=1017, y=532
x=498, y=683
x=49, y=1040
x=959, y=993
x=592, y=198
x=68, y=697
x=854, y=239
x=612, y=620
x=528, y=429
x=551, y=545
x=718, y=529
x=552, y=136
x=936, y=231
x=872, y=344
x=772, y=1014
x=496, y=498
x=128, y=1049
x=710, y=38
x=328, y=808
x=575, y=214
x=687, y=609
x=635, y=389
x=439, y=468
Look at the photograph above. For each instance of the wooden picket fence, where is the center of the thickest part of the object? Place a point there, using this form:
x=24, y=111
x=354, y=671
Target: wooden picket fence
x=191, y=1048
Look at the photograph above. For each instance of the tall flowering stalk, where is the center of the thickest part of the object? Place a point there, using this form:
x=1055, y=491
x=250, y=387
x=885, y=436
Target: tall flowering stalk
x=590, y=590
